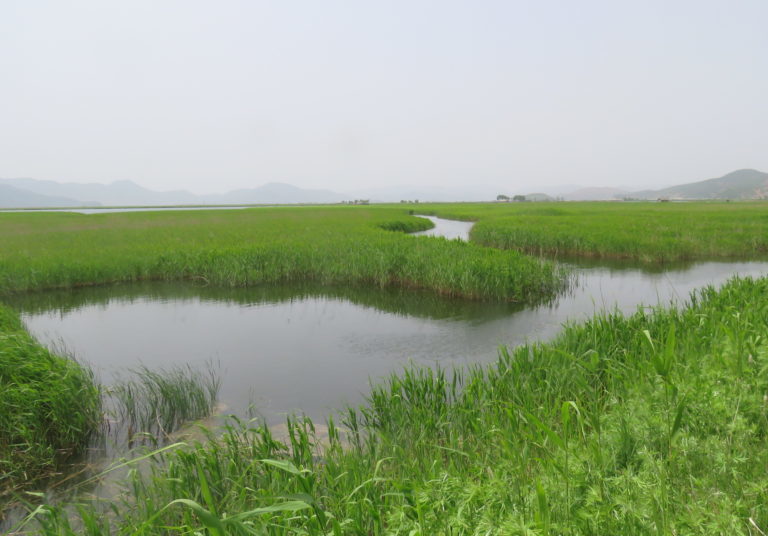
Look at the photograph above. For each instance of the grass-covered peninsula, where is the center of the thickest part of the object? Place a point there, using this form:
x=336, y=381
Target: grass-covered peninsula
x=333, y=245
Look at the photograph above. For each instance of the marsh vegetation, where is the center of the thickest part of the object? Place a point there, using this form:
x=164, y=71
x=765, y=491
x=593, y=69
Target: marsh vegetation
x=651, y=233
x=647, y=422
x=337, y=245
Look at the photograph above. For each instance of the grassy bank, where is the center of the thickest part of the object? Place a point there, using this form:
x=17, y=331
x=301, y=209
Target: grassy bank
x=51, y=410
x=648, y=232
x=331, y=245
x=49, y=406
x=654, y=423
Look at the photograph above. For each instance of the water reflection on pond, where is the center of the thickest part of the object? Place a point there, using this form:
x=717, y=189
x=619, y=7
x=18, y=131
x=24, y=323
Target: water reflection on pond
x=312, y=349
x=283, y=348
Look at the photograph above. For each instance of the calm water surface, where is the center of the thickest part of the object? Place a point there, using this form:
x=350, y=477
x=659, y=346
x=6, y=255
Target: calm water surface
x=311, y=349
x=447, y=228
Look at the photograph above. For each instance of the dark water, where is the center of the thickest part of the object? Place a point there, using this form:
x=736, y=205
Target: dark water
x=282, y=349
x=309, y=349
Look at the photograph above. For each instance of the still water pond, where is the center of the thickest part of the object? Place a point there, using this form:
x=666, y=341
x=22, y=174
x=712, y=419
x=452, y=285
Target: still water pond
x=310, y=349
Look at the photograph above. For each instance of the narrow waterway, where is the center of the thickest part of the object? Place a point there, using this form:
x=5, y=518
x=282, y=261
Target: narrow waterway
x=450, y=229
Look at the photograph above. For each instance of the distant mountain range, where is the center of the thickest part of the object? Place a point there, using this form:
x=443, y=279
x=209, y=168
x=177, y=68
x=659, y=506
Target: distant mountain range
x=741, y=184
x=595, y=194
x=25, y=193
x=18, y=193
x=394, y=194
x=274, y=193
x=12, y=197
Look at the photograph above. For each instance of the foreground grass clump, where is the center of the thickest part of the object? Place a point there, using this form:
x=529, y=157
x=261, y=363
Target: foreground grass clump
x=152, y=403
x=647, y=232
x=654, y=423
x=49, y=406
x=331, y=245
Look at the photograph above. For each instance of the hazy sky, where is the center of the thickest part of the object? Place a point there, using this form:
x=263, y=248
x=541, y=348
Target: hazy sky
x=210, y=96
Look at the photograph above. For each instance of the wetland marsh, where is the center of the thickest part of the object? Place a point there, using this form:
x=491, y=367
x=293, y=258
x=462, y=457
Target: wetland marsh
x=484, y=415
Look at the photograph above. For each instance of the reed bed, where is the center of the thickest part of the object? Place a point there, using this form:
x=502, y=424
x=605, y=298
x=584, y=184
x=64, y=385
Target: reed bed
x=150, y=404
x=329, y=246
x=52, y=410
x=641, y=231
x=49, y=406
x=653, y=423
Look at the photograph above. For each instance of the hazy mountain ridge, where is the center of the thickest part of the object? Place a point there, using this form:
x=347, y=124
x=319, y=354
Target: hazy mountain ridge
x=45, y=193
x=274, y=192
x=12, y=197
x=118, y=193
x=127, y=193
x=595, y=194
x=25, y=193
x=394, y=194
x=740, y=184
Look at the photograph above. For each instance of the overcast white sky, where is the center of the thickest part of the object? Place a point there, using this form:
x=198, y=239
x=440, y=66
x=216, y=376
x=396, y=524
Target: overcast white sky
x=211, y=96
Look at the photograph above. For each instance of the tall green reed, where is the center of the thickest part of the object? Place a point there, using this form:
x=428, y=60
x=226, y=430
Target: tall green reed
x=50, y=406
x=331, y=246
x=153, y=403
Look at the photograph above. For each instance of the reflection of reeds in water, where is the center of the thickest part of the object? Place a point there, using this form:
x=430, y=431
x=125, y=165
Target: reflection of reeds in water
x=151, y=404
x=144, y=408
x=621, y=425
